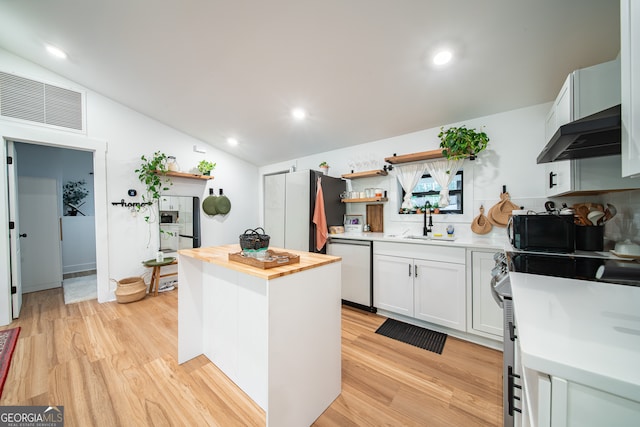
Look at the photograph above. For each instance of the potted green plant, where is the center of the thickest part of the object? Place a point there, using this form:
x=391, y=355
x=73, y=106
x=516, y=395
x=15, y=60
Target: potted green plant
x=460, y=142
x=73, y=194
x=152, y=173
x=205, y=167
x=325, y=167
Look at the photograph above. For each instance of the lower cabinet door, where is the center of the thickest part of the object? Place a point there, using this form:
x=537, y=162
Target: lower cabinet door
x=440, y=293
x=486, y=313
x=577, y=405
x=393, y=284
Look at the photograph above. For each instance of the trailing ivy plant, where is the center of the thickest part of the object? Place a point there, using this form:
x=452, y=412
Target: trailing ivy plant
x=460, y=142
x=152, y=173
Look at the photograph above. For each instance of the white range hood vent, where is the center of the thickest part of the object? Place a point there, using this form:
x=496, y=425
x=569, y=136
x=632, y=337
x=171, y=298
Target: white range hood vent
x=38, y=102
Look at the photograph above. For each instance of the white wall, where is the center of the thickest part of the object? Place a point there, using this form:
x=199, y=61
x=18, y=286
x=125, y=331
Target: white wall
x=127, y=238
x=516, y=138
x=510, y=159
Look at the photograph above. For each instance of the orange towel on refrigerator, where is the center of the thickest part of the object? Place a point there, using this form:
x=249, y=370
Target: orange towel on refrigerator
x=320, y=219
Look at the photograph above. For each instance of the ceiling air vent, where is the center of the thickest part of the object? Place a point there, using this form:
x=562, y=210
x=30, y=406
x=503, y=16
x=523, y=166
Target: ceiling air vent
x=38, y=102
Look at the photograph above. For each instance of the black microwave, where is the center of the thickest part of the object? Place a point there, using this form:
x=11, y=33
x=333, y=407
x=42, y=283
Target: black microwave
x=542, y=233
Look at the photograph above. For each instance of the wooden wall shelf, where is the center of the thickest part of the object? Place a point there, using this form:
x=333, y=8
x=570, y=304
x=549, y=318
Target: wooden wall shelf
x=365, y=199
x=415, y=157
x=185, y=175
x=365, y=174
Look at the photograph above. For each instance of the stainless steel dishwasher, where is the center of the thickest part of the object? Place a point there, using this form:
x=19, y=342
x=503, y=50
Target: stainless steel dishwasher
x=357, y=271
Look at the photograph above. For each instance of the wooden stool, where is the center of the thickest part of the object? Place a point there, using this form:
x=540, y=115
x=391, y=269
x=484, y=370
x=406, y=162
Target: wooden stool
x=155, y=273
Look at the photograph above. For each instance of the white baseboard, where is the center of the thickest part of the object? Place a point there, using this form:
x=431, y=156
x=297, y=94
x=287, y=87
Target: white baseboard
x=76, y=268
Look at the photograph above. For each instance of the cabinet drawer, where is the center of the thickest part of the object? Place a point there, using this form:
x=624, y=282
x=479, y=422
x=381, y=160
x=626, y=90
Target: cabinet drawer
x=421, y=251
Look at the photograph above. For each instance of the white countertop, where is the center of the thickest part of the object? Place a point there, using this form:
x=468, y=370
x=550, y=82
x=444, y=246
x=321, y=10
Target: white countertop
x=468, y=241
x=587, y=332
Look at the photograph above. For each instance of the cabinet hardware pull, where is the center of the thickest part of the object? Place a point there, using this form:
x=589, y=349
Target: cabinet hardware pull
x=415, y=271
x=512, y=331
x=409, y=270
x=551, y=183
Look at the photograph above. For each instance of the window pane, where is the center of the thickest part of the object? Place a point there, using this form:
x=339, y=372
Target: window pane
x=454, y=203
x=427, y=184
x=428, y=190
x=420, y=201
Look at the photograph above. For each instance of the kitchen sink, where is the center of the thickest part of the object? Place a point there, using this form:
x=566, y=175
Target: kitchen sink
x=408, y=236
x=417, y=236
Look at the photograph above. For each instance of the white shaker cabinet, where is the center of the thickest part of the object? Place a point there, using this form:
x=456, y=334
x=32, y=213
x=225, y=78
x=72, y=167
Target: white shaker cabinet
x=630, y=63
x=561, y=113
x=555, y=401
x=174, y=203
x=584, y=92
x=393, y=284
x=168, y=203
x=421, y=281
x=486, y=315
x=562, y=109
x=439, y=293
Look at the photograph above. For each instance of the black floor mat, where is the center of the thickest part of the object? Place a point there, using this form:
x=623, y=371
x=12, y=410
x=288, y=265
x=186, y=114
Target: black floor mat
x=414, y=335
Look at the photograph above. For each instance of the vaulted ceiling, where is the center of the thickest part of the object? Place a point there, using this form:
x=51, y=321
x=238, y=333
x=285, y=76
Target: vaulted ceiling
x=361, y=68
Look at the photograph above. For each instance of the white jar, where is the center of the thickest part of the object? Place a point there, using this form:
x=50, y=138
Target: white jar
x=172, y=164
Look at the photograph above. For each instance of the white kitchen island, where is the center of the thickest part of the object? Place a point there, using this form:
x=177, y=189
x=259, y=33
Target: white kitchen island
x=275, y=333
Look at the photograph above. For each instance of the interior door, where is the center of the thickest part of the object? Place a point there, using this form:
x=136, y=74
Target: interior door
x=274, y=209
x=14, y=234
x=41, y=250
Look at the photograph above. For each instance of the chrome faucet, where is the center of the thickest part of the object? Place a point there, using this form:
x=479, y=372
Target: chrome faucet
x=426, y=229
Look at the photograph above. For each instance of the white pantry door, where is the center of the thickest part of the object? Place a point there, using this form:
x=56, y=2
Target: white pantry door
x=41, y=250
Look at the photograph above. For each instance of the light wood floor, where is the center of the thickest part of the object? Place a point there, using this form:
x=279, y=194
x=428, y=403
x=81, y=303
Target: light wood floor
x=115, y=364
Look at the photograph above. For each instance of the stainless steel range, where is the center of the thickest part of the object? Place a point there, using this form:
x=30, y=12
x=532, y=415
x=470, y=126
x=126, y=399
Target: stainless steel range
x=512, y=396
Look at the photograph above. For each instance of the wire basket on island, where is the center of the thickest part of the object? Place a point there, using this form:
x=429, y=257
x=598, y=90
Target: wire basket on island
x=254, y=243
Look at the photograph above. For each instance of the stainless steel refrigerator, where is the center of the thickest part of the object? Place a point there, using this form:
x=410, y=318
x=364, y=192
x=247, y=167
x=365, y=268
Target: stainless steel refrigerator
x=289, y=203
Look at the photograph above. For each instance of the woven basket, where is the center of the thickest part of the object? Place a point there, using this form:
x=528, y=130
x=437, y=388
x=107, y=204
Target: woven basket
x=130, y=289
x=481, y=224
x=500, y=213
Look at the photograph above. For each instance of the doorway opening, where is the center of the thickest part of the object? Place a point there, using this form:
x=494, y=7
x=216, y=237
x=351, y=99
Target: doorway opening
x=64, y=252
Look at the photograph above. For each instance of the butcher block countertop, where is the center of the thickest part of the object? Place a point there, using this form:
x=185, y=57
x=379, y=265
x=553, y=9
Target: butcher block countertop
x=220, y=255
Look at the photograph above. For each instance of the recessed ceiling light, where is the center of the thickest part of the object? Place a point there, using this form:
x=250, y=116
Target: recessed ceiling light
x=59, y=53
x=442, y=57
x=298, y=113
x=232, y=141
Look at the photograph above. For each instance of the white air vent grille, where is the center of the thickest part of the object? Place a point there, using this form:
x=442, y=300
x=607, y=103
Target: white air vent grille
x=34, y=101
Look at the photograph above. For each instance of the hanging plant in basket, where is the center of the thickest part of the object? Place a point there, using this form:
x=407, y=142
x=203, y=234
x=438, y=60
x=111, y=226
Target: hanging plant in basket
x=461, y=143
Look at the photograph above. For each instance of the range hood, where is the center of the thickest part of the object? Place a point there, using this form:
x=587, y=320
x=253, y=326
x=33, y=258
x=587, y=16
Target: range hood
x=596, y=135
